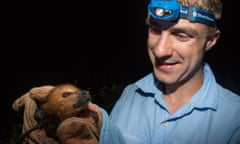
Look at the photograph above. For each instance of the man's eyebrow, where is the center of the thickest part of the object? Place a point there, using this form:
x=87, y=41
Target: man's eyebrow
x=188, y=30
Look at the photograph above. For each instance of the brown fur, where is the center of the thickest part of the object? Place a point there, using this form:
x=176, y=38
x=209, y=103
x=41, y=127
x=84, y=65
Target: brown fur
x=67, y=101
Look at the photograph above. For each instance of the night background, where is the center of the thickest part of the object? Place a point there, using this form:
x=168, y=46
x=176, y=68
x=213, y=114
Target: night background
x=100, y=46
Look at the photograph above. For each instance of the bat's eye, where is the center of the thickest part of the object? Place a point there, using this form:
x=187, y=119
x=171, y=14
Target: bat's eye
x=66, y=94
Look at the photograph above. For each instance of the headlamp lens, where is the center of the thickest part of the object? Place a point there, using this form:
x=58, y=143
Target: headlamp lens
x=162, y=12
x=165, y=10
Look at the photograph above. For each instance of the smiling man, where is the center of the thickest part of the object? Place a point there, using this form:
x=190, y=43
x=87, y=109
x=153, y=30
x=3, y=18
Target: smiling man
x=180, y=102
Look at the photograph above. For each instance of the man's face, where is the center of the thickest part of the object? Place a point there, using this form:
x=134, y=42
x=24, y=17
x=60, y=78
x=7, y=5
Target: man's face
x=176, y=50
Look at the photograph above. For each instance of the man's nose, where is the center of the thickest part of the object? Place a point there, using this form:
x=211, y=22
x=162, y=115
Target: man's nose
x=163, y=47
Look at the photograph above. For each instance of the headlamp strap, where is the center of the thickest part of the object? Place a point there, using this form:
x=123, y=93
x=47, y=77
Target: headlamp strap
x=195, y=14
x=170, y=10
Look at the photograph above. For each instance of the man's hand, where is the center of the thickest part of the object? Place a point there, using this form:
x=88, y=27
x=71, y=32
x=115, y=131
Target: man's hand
x=95, y=108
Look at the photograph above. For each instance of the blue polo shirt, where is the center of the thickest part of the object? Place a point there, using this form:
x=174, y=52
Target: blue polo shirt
x=212, y=116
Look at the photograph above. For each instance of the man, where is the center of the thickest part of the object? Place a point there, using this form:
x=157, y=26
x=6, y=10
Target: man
x=180, y=102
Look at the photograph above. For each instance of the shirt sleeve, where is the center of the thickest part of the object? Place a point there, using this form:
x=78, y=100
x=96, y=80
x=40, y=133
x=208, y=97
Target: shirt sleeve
x=110, y=133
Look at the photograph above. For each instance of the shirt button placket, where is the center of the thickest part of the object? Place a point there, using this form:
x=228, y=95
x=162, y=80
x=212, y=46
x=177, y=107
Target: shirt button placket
x=165, y=123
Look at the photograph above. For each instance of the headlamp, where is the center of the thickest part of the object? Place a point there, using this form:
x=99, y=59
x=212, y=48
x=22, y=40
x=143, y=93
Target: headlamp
x=170, y=10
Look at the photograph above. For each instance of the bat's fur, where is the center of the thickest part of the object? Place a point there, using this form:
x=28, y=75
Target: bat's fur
x=63, y=102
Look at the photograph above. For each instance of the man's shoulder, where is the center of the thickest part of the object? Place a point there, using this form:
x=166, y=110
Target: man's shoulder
x=229, y=98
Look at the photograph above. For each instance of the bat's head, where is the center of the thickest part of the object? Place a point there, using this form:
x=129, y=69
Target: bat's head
x=66, y=101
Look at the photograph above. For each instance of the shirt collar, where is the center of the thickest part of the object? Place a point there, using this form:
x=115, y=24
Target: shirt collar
x=205, y=97
x=149, y=84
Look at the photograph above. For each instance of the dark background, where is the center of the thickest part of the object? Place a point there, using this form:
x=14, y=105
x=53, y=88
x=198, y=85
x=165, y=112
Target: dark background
x=92, y=44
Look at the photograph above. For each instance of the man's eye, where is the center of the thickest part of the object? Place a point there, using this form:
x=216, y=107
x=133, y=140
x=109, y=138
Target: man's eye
x=182, y=36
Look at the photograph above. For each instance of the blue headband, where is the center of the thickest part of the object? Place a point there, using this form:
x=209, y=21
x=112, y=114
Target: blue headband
x=169, y=10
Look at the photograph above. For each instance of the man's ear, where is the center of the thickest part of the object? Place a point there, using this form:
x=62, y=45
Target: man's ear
x=212, y=40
